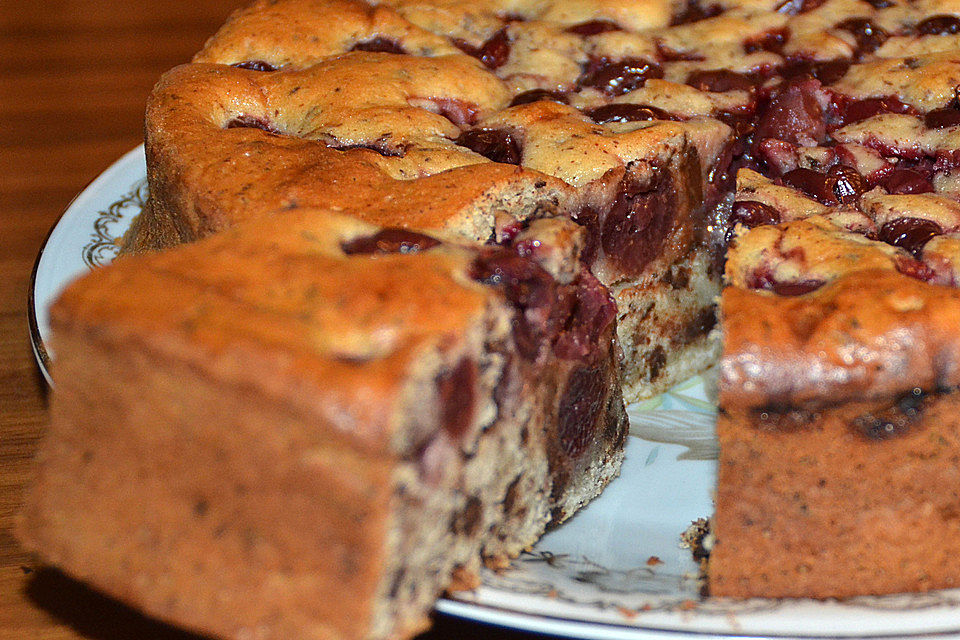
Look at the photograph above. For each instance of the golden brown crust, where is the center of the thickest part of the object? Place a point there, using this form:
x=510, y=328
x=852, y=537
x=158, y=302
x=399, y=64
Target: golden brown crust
x=869, y=334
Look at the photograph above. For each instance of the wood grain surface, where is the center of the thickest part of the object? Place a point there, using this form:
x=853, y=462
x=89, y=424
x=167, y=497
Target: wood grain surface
x=75, y=76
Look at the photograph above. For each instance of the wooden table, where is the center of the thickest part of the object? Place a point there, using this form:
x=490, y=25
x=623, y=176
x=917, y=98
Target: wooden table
x=75, y=75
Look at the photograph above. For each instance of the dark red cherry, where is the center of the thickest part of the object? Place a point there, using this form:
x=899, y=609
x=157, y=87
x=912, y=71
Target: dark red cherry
x=618, y=78
x=594, y=311
x=763, y=279
x=904, y=181
x=847, y=183
x=495, y=144
x=379, y=44
x=869, y=36
x=493, y=53
x=827, y=72
x=540, y=307
x=389, y=241
x=772, y=40
x=694, y=11
x=909, y=233
x=939, y=25
x=580, y=406
x=857, y=110
x=593, y=27
x=720, y=80
x=252, y=122
x=942, y=118
x=536, y=95
x=626, y=113
x=750, y=214
x=797, y=288
x=794, y=115
x=254, y=65
x=812, y=183
x=457, y=396
x=638, y=223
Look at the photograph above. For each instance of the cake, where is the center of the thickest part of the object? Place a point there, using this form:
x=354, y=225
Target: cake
x=292, y=420
x=588, y=174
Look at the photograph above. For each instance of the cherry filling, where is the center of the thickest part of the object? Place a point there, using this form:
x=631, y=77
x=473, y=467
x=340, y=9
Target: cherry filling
x=905, y=181
x=827, y=72
x=794, y=115
x=772, y=40
x=581, y=404
x=593, y=27
x=763, y=279
x=379, y=44
x=457, y=395
x=869, y=36
x=942, y=118
x=498, y=145
x=254, y=65
x=750, y=214
x=536, y=95
x=626, y=113
x=245, y=121
x=389, y=241
x=593, y=313
x=840, y=185
x=694, y=11
x=857, y=110
x=618, y=78
x=541, y=309
x=896, y=420
x=720, y=80
x=909, y=233
x=639, y=220
x=493, y=53
x=939, y=25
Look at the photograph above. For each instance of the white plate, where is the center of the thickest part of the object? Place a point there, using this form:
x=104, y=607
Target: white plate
x=616, y=570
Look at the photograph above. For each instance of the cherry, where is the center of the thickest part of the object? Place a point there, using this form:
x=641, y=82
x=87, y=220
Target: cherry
x=638, y=222
x=772, y=40
x=254, y=65
x=794, y=115
x=857, y=110
x=869, y=36
x=827, y=72
x=536, y=95
x=904, y=181
x=618, y=78
x=942, y=118
x=593, y=27
x=626, y=113
x=847, y=183
x=720, y=80
x=750, y=214
x=493, y=53
x=245, y=121
x=909, y=233
x=695, y=12
x=939, y=25
x=495, y=144
x=456, y=391
x=580, y=405
x=379, y=44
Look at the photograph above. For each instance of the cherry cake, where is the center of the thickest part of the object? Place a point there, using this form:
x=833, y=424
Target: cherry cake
x=403, y=262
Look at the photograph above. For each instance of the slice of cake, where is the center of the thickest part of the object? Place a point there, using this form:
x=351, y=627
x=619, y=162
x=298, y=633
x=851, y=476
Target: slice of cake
x=249, y=427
